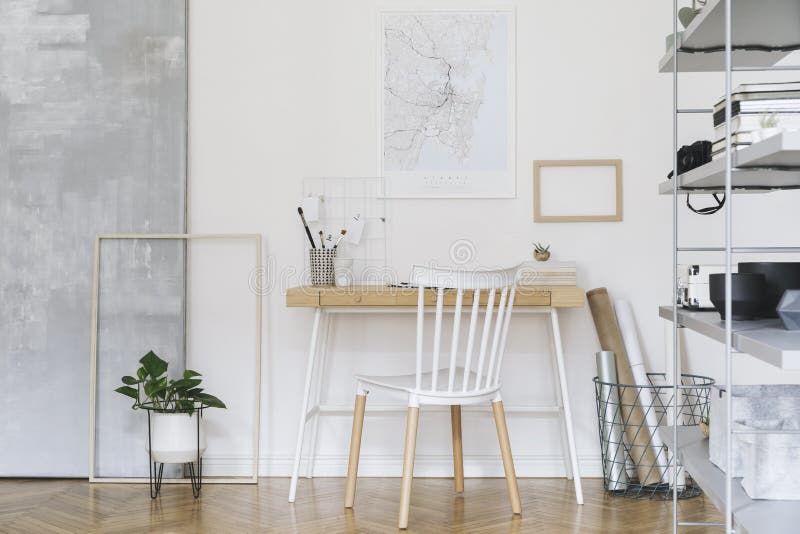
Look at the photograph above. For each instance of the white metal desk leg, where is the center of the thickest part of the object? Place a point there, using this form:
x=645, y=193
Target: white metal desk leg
x=562, y=375
x=327, y=319
x=561, y=419
x=312, y=351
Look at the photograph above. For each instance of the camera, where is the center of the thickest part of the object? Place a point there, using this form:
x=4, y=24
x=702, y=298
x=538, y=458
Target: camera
x=693, y=156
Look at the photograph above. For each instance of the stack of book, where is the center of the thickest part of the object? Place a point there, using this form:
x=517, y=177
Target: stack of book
x=754, y=107
x=548, y=273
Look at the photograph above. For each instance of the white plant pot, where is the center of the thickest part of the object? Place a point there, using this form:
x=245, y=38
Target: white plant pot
x=764, y=133
x=174, y=437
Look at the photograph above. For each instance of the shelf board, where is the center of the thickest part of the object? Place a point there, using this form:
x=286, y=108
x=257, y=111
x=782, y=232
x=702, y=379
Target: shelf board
x=756, y=165
x=748, y=24
x=750, y=515
x=764, y=339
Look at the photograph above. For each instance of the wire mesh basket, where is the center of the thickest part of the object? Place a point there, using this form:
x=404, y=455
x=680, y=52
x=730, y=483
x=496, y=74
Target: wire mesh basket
x=636, y=462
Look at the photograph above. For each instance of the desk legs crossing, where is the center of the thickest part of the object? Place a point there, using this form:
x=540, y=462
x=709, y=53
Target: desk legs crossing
x=312, y=352
x=562, y=378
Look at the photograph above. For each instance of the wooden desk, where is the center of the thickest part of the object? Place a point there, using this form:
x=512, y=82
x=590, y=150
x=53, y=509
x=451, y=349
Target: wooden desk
x=328, y=301
x=324, y=296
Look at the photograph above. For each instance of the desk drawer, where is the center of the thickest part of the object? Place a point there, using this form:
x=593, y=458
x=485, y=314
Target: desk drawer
x=524, y=297
x=408, y=297
x=528, y=297
x=357, y=298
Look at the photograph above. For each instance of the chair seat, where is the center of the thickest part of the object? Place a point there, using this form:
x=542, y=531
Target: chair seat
x=408, y=384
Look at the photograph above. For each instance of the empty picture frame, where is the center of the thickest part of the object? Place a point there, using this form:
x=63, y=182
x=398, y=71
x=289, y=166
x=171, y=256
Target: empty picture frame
x=577, y=190
x=248, y=464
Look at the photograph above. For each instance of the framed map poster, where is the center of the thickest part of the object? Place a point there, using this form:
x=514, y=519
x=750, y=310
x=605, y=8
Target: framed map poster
x=446, y=104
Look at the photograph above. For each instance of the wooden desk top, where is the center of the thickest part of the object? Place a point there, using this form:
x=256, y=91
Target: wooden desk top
x=322, y=296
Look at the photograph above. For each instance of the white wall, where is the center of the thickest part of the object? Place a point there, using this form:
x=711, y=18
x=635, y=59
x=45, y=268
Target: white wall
x=286, y=90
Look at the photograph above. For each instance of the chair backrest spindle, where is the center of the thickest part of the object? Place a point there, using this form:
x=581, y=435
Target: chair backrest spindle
x=473, y=321
x=498, y=327
x=487, y=325
x=420, y=330
x=451, y=378
x=493, y=335
x=437, y=338
x=504, y=336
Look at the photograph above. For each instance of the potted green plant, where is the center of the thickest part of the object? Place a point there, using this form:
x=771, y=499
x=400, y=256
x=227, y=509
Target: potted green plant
x=769, y=127
x=541, y=252
x=174, y=406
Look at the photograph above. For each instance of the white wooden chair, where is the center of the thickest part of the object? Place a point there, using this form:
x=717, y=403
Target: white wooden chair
x=446, y=383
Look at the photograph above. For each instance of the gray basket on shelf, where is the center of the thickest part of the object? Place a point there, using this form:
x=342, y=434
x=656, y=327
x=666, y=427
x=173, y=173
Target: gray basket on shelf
x=321, y=262
x=750, y=404
x=771, y=461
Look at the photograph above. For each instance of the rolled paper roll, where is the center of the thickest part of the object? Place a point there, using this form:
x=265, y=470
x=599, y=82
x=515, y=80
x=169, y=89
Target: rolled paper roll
x=611, y=423
x=627, y=327
x=610, y=338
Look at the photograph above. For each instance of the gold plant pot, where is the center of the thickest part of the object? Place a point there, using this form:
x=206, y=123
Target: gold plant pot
x=542, y=256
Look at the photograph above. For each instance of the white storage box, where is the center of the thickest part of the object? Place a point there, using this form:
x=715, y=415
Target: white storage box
x=775, y=403
x=771, y=461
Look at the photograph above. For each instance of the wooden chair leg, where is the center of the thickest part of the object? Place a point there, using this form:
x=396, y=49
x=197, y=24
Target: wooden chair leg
x=355, y=451
x=458, y=453
x=505, y=452
x=412, y=421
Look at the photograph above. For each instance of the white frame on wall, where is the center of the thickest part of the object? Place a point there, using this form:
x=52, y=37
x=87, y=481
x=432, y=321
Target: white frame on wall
x=253, y=478
x=496, y=184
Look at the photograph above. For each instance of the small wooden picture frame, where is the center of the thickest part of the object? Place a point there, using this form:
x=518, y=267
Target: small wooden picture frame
x=577, y=190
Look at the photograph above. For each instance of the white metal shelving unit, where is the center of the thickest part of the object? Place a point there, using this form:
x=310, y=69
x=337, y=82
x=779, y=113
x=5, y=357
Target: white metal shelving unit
x=752, y=516
x=756, y=36
x=759, y=168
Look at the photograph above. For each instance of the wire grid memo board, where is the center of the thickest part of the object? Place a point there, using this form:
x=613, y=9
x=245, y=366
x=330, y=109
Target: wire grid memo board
x=342, y=198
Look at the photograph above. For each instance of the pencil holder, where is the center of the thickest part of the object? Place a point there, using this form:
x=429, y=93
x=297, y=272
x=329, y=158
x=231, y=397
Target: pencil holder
x=321, y=261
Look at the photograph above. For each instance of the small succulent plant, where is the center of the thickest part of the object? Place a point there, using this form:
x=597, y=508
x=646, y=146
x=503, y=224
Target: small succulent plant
x=769, y=120
x=541, y=252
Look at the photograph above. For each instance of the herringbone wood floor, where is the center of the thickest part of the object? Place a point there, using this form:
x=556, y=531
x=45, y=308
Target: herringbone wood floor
x=548, y=506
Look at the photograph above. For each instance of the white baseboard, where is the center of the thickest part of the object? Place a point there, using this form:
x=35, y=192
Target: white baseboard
x=390, y=465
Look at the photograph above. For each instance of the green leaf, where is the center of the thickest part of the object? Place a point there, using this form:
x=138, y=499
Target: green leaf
x=163, y=388
x=155, y=387
x=210, y=400
x=128, y=391
x=155, y=366
x=129, y=380
x=189, y=373
x=192, y=392
x=141, y=372
x=185, y=405
x=186, y=383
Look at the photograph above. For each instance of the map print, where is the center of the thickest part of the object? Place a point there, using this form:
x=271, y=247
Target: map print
x=446, y=99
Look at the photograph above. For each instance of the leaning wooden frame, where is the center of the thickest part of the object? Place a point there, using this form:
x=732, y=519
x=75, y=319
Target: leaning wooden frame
x=252, y=479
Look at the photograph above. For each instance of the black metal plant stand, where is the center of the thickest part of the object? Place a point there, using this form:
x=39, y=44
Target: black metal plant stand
x=157, y=468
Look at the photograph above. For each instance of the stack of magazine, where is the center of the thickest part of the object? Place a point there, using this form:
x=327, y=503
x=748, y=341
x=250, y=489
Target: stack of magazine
x=548, y=273
x=755, y=107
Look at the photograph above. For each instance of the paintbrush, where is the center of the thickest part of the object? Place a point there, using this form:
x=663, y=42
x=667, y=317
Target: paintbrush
x=343, y=232
x=321, y=239
x=305, y=224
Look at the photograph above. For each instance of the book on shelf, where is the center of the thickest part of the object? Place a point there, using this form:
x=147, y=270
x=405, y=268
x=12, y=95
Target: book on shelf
x=759, y=107
x=747, y=122
x=738, y=142
x=761, y=91
x=738, y=139
x=762, y=98
x=549, y=273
